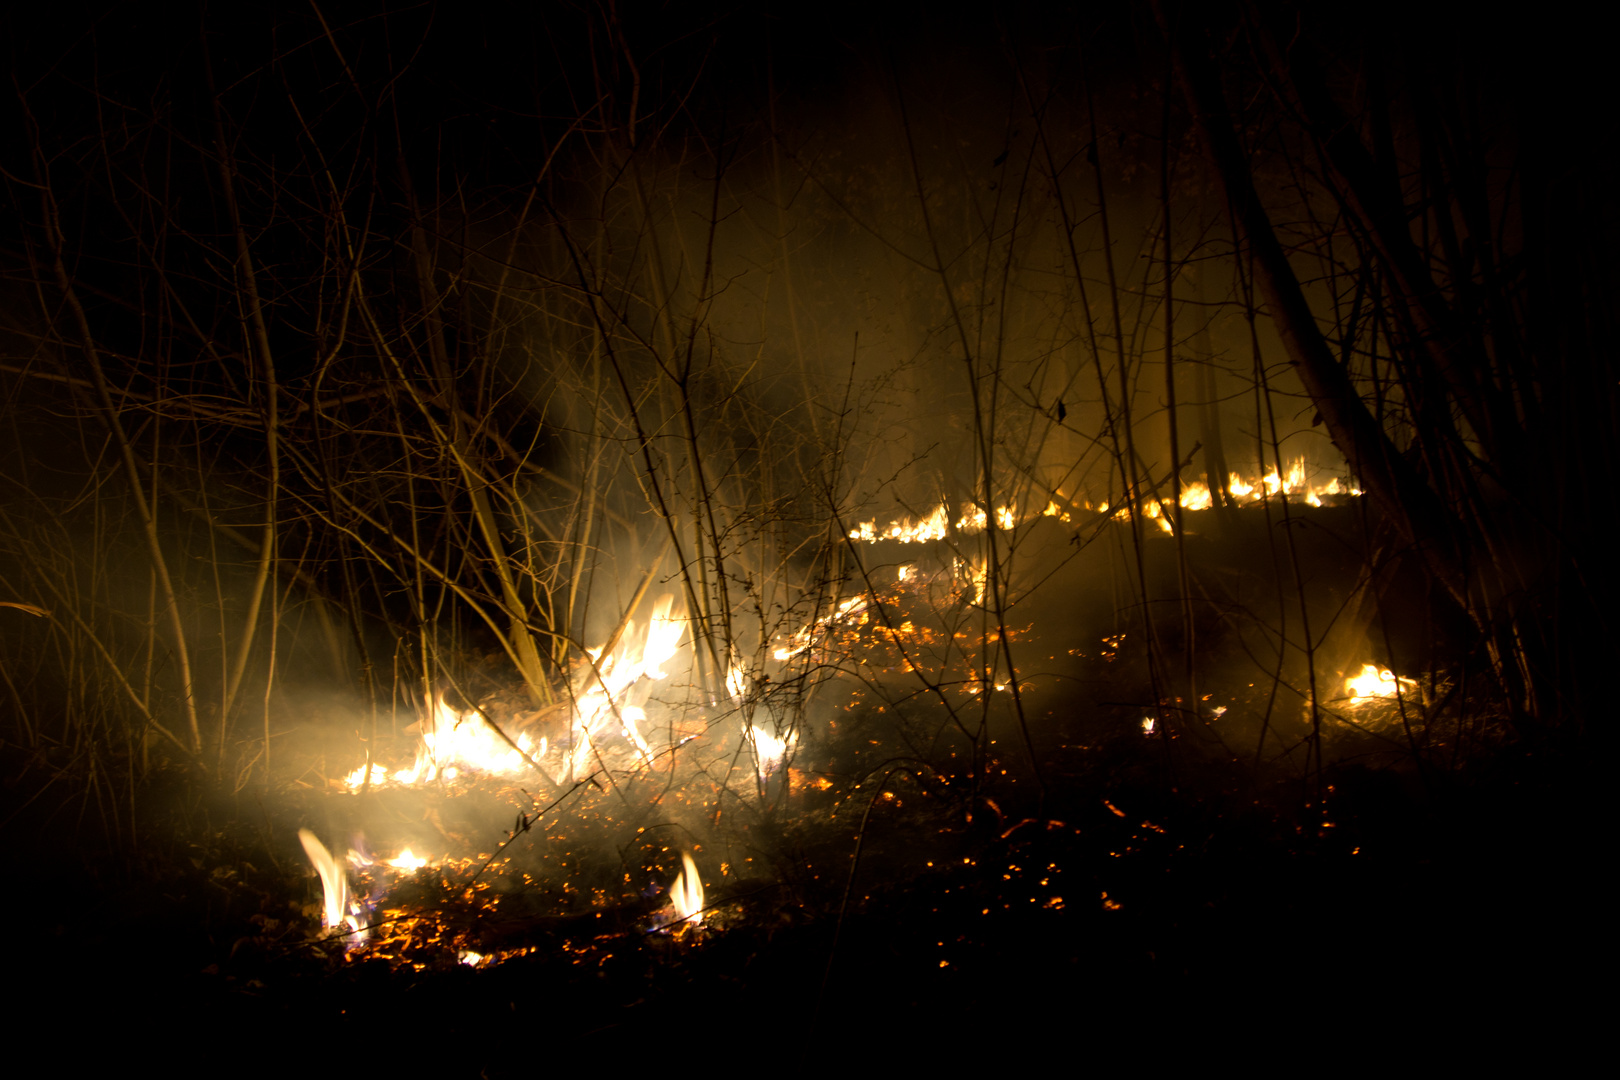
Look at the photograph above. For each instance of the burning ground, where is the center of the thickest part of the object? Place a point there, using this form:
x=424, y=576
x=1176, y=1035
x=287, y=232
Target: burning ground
x=794, y=893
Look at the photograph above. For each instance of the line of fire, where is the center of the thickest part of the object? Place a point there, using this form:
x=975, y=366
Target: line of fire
x=717, y=527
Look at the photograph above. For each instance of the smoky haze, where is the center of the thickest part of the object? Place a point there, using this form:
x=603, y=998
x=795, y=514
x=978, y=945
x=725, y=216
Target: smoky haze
x=360, y=363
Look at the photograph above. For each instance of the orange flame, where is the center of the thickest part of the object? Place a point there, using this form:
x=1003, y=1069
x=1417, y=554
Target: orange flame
x=1375, y=683
x=341, y=911
x=686, y=894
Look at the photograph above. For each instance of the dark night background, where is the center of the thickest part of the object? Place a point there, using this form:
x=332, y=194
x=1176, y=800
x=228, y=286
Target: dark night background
x=354, y=354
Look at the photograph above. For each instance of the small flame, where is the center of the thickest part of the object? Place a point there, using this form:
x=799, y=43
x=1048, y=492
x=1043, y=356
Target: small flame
x=1376, y=683
x=769, y=751
x=736, y=682
x=407, y=861
x=1156, y=513
x=972, y=520
x=1196, y=496
x=803, y=639
x=663, y=639
x=1149, y=725
x=453, y=741
x=341, y=911
x=974, y=575
x=686, y=894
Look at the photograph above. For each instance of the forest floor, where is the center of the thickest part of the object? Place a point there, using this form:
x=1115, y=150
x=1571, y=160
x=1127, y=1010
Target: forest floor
x=1124, y=916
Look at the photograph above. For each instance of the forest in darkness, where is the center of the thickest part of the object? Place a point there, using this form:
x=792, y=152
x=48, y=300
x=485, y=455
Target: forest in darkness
x=1085, y=520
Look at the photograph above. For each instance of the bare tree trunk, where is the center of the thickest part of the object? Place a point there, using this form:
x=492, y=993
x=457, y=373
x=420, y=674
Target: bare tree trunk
x=1384, y=472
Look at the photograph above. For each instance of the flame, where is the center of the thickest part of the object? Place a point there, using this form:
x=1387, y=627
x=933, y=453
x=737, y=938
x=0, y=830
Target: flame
x=736, y=682
x=1156, y=513
x=769, y=751
x=1196, y=496
x=663, y=638
x=407, y=861
x=686, y=894
x=906, y=530
x=452, y=741
x=1374, y=683
x=974, y=575
x=972, y=520
x=342, y=910
x=803, y=639
x=605, y=697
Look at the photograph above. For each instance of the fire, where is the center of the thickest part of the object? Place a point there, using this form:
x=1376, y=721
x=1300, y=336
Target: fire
x=450, y=742
x=974, y=575
x=769, y=751
x=803, y=639
x=604, y=699
x=1194, y=496
x=453, y=742
x=906, y=530
x=407, y=861
x=1375, y=683
x=342, y=911
x=686, y=894
x=1156, y=514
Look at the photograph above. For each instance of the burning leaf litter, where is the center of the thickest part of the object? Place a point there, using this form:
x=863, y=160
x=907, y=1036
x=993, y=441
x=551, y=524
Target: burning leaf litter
x=622, y=725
